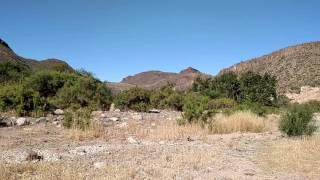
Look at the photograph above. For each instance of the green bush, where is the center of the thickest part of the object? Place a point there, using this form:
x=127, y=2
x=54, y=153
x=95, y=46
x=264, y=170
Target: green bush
x=195, y=107
x=166, y=98
x=222, y=104
x=298, y=121
x=313, y=105
x=77, y=118
x=136, y=99
x=11, y=71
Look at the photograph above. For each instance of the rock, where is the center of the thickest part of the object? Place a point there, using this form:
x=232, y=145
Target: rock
x=249, y=172
x=56, y=123
x=154, y=111
x=59, y=112
x=112, y=107
x=7, y=122
x=117, y=110
x=41, y=119
x=34, y=156
x=122, y=125
x=99, y=165
x=60, y=118
x=114, y=119
x=131, y=140
x=137, y=117
x=22, y=121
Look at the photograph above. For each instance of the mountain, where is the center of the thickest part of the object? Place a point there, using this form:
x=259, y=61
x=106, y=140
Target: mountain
x=157, y=79
x=8, y=55
x=294, y=67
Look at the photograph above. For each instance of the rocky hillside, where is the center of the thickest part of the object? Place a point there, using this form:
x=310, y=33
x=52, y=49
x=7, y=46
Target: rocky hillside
x=294, y=66
x=8, y=55
x=157, y=79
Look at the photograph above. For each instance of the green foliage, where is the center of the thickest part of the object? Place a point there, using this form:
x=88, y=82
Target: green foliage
x=256, y=108
x=77, y=118
x=298, y=121
x=258, y=89
x=314, y=106
x=195, y=107
x=11, y=71
x=222, y=104
x=136, y=99
x=166, y=98
x=42, y=91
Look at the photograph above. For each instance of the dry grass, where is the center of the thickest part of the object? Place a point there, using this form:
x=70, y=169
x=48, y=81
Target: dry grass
x=238, y=122
x=40, y=171
x=170, y=130
x=95, y=131
x=300, y=156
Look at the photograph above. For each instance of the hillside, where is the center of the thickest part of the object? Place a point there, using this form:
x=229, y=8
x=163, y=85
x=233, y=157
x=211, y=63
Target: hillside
x=294, y=67
x=8, y=55
x=157, y=79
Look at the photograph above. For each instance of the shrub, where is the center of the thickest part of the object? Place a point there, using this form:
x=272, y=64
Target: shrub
x=136, y=99
x=298, y=121
x=166, y=98
x=11, y=71
x=195, y=107
x=241, y=121
x=78, y=118
x=314, y=106
x=221, y=104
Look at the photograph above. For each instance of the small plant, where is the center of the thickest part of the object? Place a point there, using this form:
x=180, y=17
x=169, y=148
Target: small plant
x=298, y=121
x=78, y=119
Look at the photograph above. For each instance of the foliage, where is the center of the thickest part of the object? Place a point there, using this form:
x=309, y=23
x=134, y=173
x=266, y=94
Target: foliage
x=195, y=107
x=42, y=91
x=222, y=104
x=166, y=98
x=77, y=118
x=136, y=99
x=11, y=71
x=298, y=121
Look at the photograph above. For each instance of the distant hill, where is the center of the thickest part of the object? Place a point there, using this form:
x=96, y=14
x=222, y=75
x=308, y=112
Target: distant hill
x=8, y=55
x=158, y=79
x=294, y=67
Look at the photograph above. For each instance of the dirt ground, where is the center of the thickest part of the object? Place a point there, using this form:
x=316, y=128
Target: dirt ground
x=152, y=149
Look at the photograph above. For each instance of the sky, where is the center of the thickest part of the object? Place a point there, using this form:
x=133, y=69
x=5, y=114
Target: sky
x=117, y=38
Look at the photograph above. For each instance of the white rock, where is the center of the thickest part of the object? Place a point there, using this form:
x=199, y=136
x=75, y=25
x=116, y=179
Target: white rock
x=22, y=121
x=41, y=119
x=154, y=111
x=59, y=112
x=112, y=107
x=114, y=119
x=117, y=110
x=122, y=125
x=137, y=117
x=99, y=165
x=131, y=140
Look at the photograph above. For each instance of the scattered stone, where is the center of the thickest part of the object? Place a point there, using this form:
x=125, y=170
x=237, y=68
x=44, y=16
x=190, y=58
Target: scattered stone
x=122, y=125
x=99, y=165
x=131, y=140
x=117, y=110
x=7, y=122
x=114, y=119
x=189, y=139
x=41, y=119
x=154, y=111
x=22, y=121
x=34, y=156
x=137, y=117
x=249, y=172
x=59, y=112
x=60, y=118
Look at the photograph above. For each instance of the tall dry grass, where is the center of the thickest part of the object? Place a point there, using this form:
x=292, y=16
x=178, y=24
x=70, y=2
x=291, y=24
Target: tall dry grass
x=300, y=156
x=242, y=121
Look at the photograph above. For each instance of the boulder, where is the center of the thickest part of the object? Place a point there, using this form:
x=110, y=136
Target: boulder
x=22, y=121
x=114, y=119
x=58, y=112
x=131, y=140
x=41, y=120
x=7, y=122
x=112, y=107
x=154, y=111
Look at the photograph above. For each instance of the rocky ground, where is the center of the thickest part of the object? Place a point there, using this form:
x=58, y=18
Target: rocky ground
x=128, y=145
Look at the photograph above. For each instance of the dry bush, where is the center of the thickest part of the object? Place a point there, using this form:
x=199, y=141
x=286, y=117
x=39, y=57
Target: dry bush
x=293, y=155
x=40, y=171
x=95, y=131
x=242, y=121
x=170, y=130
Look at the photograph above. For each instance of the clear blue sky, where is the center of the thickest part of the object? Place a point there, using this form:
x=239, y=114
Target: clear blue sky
x=116, y=38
